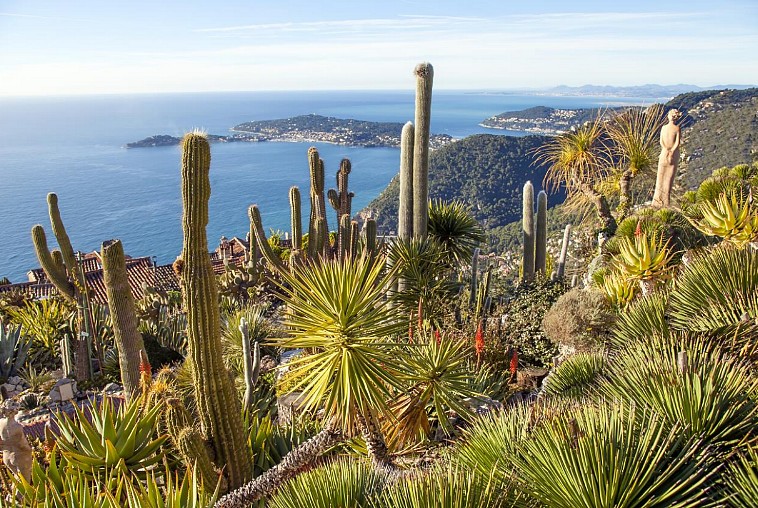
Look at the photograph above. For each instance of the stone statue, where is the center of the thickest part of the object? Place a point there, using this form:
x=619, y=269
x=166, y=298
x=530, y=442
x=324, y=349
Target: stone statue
x=668, y=160
x=17, y=453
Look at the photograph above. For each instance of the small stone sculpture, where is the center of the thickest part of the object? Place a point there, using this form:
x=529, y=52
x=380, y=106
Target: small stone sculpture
x=17, y=453
x=668, y=160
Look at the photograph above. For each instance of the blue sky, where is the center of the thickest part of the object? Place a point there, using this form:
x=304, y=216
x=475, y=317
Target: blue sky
x=80, y=47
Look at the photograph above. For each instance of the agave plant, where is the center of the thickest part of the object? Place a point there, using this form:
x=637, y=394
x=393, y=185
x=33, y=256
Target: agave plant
x=119, y=440
x=713, y=397
x=46, y=323
x=732, y=216
x=618, y=289
x=13, y=350
x=611, y=457
x=342, y=482
x=171, y=491
x=576, y=376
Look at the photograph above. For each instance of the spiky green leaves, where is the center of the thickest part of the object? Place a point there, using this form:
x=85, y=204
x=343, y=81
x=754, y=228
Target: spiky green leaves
x=336, y=310
x=453, y=226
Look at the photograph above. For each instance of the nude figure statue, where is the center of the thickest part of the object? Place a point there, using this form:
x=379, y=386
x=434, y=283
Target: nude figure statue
x=668, y=160
x=17, y=453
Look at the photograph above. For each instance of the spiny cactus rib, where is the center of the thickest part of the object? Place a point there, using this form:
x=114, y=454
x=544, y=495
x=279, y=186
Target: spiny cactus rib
x=424, y=78
x=564, y=252
x=296, y=219
x=218, y=405
x=527, y=226
x=405, y=210
x=123, y=311
x=50, y=266
x=344, y=236
x=353, y=244
x=272, y=259
x=540, y=235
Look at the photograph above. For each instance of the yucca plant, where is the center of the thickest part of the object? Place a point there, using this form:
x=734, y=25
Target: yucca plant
x=642, y=319
x=439, y=379
x=119, y=440
x=717, y=292
x=341, y=483
x=453, y=227
x=611, y=457
x=13, y=350
x=447, y=487
x=713, y=398
x=732, y=216
x=576, y=376
x=741, y=479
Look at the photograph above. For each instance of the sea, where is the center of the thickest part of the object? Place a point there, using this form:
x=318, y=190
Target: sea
x=74, y=146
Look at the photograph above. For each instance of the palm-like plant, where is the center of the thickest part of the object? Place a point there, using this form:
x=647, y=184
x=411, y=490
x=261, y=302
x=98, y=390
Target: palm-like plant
x=336, y=311
x=341, y=483
x=713, y=398
x=576, y=376
x=451, y=224
x=742, y=480
x=717, y=292
x=438, y=376
x=634, y=140
x=578, y=161
x=611, y=457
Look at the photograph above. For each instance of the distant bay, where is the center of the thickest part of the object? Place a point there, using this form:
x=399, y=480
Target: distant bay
x=74, y=146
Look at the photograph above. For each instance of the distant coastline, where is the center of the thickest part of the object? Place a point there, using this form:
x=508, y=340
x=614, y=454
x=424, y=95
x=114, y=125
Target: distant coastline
x=309, y=129
x=542, y=120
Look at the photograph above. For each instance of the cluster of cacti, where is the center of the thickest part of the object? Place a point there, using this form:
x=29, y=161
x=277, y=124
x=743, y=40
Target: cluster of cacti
x=128, y=339
x=63, y=271
x=534, y=238
x=413, y=211
x=341, y=199
x=218, y=406
x=318, y=227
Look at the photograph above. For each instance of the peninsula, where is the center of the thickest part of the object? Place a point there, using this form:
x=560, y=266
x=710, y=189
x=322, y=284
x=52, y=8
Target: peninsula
x=308, y=128
x=541, y=119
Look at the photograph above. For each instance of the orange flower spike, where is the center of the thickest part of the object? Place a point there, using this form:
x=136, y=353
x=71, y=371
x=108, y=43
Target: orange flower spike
x=479, y=345
x=514, y=363
x=437, y=337
x=638, y=229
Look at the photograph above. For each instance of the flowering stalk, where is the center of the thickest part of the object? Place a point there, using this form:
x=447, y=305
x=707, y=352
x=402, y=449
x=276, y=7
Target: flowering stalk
x=479, y=344
x=514, y=364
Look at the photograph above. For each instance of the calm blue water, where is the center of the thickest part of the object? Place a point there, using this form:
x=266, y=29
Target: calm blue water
x=74, y=147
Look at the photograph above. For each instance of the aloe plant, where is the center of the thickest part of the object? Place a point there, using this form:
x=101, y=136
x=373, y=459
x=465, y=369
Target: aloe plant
x=13, y=350
x=121, y=440
x=732, y=216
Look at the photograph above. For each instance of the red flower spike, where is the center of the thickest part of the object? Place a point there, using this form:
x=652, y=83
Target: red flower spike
x=437, y=337
x=638, y=229
x=514, y=363
x=479, y=345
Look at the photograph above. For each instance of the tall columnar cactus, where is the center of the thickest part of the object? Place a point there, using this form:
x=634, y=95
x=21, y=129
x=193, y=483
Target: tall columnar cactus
x=318, y=201
x=564, y=251
x=424, y=77
x=369, y=230
x=540, y=234
x=474, y=278
x=252, y=365
x=341, y=199
x=188, y=441
x=297, y=226
x=405, y=210
x=123, y=311
x=218, y=405
x=353, y=245
x=62, y=269
x=527, y=226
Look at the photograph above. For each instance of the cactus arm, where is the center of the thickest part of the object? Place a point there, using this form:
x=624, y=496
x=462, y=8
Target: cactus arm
x=540, y=234
x=334, y=199
x=272, y=259
x=370, y=231
x=61, y=236
x=51, y=268
x=251, y=366
x=424, y=78
x=218, y=406
x=296, y=219
x=188, y=441
x=124, y=315
x=405, y=209
x=353, y=244
x=344, y=237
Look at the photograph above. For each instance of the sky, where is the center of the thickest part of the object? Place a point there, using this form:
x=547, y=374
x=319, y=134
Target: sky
x=93, y=47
